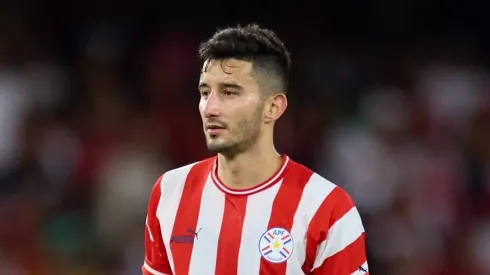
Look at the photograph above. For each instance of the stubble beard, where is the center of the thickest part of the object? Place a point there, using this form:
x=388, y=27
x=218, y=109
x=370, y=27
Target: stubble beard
x=241, y=137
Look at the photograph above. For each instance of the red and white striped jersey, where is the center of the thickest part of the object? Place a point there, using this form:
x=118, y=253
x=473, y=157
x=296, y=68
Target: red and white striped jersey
x=294, y=223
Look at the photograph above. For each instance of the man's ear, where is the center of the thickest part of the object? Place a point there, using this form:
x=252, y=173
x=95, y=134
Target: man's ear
x=276, y=106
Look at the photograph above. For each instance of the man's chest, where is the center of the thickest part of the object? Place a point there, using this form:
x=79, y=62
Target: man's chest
x=246, y=234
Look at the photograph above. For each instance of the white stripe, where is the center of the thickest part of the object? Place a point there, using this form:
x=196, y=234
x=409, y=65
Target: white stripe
x=342, y=233
x=257, y=215
x=314, y=193
x=172, y=185
x=152, y=271
x=204, y=251
x=360, y=272
x=149, y=230
x=254, y=190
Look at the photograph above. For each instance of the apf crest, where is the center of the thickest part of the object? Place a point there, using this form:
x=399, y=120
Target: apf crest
x=276, y=245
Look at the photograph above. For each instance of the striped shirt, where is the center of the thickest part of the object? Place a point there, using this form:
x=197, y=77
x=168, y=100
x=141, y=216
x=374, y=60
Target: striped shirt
x=294, y=223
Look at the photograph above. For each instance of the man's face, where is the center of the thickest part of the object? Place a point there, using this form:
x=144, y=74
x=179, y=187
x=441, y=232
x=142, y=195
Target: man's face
x=231, y=106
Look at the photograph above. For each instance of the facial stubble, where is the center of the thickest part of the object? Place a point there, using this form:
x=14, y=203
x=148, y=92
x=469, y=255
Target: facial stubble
x=240, y=137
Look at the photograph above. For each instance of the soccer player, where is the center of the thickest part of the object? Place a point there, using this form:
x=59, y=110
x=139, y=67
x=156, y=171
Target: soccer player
x=249, y=210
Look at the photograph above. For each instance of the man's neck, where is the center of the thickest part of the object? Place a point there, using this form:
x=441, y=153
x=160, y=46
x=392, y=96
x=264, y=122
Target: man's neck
x=248, y=169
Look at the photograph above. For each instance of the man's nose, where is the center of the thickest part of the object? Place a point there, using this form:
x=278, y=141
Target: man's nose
x=212, y=106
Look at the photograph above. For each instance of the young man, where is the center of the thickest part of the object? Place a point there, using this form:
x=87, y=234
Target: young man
x=249, y=210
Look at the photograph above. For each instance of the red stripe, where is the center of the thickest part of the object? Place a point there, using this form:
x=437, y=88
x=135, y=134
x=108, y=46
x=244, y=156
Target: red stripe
x=346, y=261
x=284, y=207
x=230, y=235
x=334, y=207
x=188, y=213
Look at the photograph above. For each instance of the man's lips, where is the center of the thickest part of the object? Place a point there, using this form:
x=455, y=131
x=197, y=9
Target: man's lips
x=214, y=129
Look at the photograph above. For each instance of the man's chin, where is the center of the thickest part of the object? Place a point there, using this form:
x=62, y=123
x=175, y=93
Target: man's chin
x=219, y=147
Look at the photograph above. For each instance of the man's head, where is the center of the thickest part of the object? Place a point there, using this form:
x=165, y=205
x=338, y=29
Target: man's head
x=243, y=87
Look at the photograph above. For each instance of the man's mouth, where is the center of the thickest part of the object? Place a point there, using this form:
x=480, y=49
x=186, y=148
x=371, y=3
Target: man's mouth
x=214, y=126
x=214, y=129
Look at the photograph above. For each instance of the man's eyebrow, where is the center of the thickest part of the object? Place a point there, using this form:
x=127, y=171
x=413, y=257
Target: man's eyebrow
x=232, y=85
x=203, y=85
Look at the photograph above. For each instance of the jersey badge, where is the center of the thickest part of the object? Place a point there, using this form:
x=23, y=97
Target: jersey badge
x=276, y=245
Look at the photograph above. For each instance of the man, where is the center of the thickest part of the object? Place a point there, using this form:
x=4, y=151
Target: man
x=249, y=210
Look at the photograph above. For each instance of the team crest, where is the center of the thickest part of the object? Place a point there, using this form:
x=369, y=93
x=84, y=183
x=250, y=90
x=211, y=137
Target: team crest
x=276, y=245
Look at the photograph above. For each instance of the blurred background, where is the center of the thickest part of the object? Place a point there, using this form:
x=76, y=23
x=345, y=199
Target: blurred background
x=389, y=99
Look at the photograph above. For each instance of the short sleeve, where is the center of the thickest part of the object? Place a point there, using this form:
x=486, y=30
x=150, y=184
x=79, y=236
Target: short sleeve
x=342, y=251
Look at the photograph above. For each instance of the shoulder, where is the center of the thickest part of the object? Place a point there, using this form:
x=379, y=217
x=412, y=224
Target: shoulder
x=321, y=190
x=174, y=178
x=326, y=206
x=312, y=180
x=181, y=173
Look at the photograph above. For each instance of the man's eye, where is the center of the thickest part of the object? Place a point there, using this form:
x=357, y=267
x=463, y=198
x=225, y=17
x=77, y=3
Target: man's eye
x=204, y=93
x=229, y=93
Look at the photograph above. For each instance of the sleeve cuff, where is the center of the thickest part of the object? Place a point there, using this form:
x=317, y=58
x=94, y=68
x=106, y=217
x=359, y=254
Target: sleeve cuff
x=148, y=270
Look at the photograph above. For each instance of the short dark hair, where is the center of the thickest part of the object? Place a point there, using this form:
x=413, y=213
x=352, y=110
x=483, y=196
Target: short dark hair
x=255, y=44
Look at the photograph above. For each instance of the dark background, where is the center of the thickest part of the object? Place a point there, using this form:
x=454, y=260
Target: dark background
x=389, y=99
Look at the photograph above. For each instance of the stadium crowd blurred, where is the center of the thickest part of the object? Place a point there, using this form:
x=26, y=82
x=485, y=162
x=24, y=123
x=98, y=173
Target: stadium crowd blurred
x=97, y=99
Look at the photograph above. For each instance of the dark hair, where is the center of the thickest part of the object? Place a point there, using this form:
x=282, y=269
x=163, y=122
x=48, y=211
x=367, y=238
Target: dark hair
x=251, y=43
